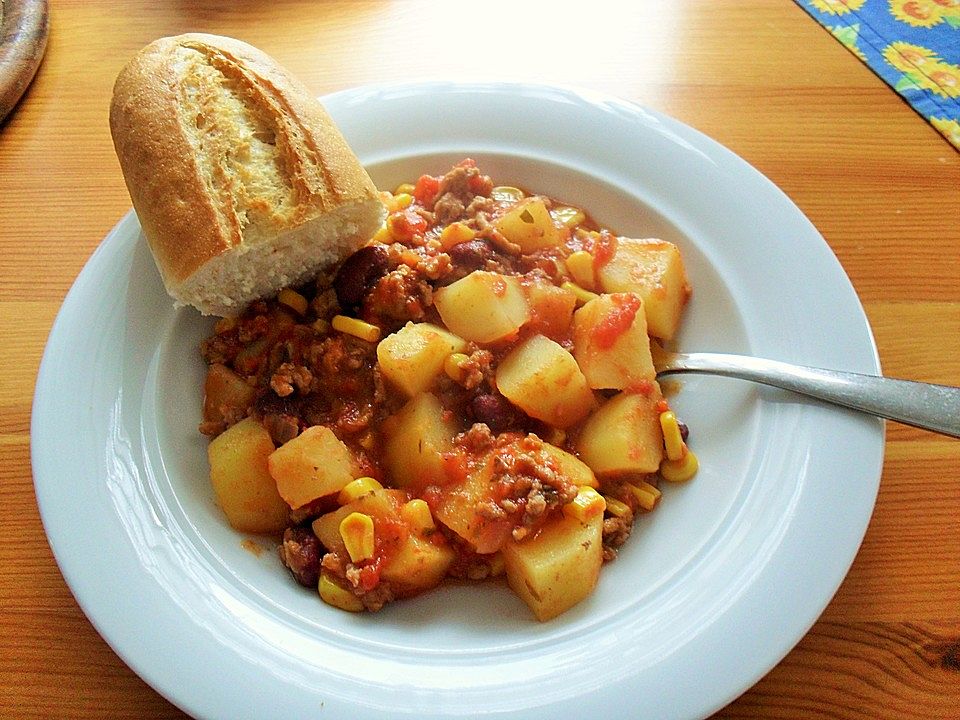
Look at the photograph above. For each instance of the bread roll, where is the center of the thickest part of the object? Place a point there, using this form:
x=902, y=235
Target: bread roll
x=242, y=183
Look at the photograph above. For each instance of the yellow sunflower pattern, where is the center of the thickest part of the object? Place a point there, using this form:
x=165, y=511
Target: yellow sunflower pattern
x=922, y=68
x=925, y=13
x=913, y=45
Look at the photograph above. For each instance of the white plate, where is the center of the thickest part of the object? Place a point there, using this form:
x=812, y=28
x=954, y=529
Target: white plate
x=712, y=590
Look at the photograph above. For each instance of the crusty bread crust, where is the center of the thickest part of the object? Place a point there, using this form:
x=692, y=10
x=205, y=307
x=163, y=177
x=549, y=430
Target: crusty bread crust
x=223, y=151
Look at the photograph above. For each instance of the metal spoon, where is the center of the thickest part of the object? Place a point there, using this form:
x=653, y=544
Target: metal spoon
x=922, y=405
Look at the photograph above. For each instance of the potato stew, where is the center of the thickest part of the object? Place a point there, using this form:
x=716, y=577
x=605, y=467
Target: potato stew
x=469, y=395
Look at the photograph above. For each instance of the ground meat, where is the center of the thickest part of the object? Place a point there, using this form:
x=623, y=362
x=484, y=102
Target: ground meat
x=480, y=204
x=457, y=183
x=220, y=349
x=399, y=296
x=289, y=377
x=527, y=485
x=477, y=369
x=616, y=530
x=374, y=600
x=253, y=328
x=477, y=439
x=351, y=417
x=448, y=208
x=301, y=552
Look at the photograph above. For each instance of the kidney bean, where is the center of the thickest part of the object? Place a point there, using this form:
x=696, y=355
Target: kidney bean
x=495, y=411
x=302, y=553
x=358, y=274
x=684, y=431
x=471, y=255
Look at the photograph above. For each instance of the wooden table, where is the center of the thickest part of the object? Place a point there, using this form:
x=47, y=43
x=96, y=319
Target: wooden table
x=757, y=75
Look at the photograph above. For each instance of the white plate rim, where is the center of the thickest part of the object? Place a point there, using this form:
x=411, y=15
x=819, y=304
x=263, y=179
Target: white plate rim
x=707, y=692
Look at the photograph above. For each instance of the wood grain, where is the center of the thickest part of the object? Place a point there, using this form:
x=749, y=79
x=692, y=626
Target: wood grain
x=757, y=75
x=24, y=25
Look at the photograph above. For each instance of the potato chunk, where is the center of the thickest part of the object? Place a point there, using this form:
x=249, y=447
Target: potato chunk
x=623, y=435
x=381, y=504
x=225, y=394
x=483, y=306
x=313, y=464
x=244, y=488
x=558, y=567
x=551, y=308
x=610, y=342
x=654, y=270
x=543, y=380
x=412, y=562
x=414, y=438
x=573, y=467
x=418, y=564
x=459, y=509
x=530, y=226
x=413, y=356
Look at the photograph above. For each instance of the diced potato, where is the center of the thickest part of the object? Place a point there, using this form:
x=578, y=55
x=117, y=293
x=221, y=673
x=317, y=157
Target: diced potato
x=225, y=393
x=530, y=226
x=483, y=306
x=418, y=564
x=244, y=488
x=558, y=567
x=654, y=270
x=313, y=464
x=551, y=308
x=458, y=507
x=412, y=563
x=610, y=342
x=575, y=469
x=413, y=356
x=414, y=438
x=623, y=435
x=544, y=380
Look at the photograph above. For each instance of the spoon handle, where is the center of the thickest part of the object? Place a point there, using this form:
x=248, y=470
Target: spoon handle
x=922, y=405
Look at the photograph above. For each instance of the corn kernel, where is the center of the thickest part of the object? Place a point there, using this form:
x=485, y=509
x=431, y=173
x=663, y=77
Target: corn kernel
x=416, y=514
x=680, y=470
x=224, y=325
x=367, y=441
x=580, y=267
x=453, y=366
x=497, y=564
x=646, y=494
x=357, y=328
x=407, y=188
x=400, y=201
x=585, y=505
x=672, y=440
x=583, y=295
x=506, y=193
x=620, y=509
x=454, y=234
x=356, y=531
x=568, y=216
x=382, y=236
x=332, y=594
x=293, y=300
x=357, y=489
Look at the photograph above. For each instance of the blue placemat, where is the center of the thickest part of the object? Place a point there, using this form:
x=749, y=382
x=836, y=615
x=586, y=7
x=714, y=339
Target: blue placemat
x=914, y=45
